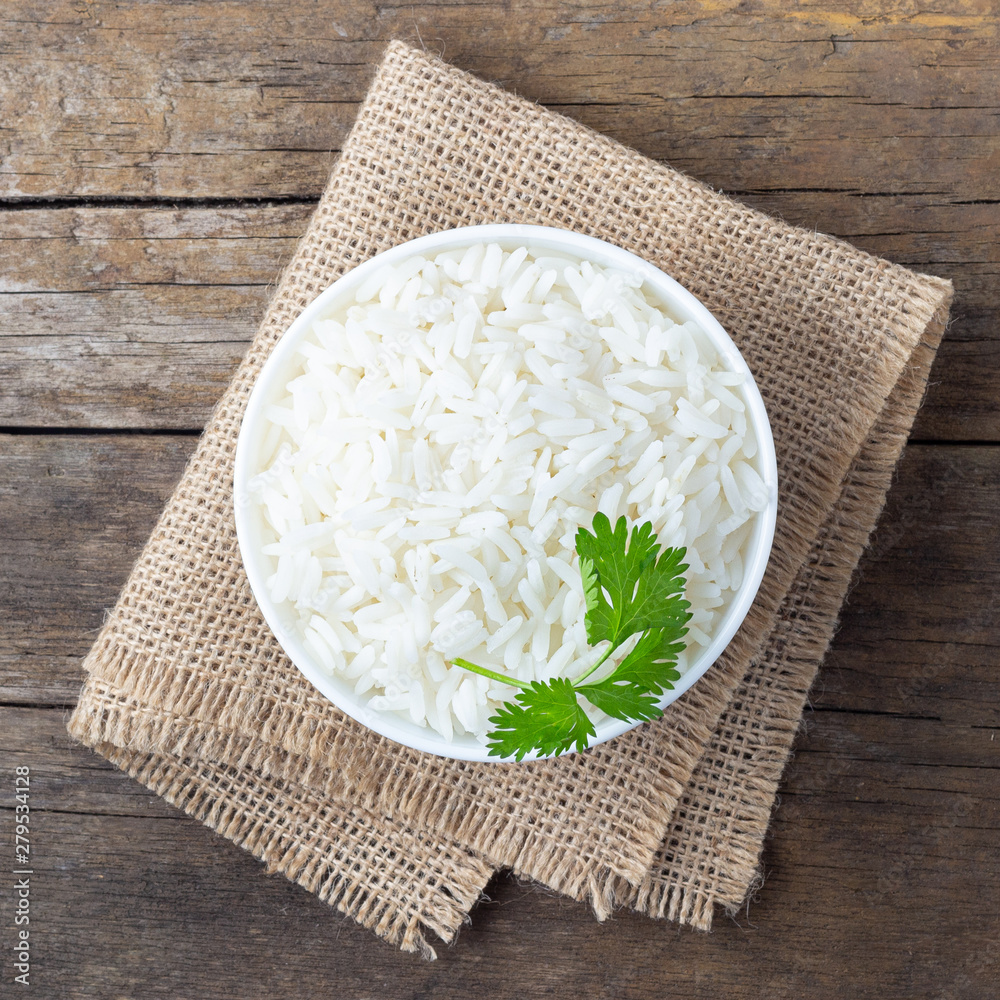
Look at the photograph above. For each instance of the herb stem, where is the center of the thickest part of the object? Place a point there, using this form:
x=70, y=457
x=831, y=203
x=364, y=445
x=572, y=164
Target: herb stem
x=587, y=673
x=486, y=672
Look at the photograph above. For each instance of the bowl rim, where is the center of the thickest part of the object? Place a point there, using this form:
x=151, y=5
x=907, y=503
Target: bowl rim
x=672, y=297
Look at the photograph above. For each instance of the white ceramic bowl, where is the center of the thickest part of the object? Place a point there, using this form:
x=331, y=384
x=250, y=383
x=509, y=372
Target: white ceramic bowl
x=672, y=298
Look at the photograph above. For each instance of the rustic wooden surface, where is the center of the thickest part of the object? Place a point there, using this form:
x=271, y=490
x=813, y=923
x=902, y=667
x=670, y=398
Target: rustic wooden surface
x=157, y=163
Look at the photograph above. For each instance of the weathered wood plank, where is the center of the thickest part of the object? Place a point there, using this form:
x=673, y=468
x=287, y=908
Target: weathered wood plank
x=173, y=100
x=76, y=511
x=136, y=317
x=68, y=777
x=132, y=318
x=865, y=861
x=929, y=591
x=918, y=634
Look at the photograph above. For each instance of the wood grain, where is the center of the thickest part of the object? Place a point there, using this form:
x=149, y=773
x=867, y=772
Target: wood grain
x=132, y=317
x=76, y=510
x=164, y=100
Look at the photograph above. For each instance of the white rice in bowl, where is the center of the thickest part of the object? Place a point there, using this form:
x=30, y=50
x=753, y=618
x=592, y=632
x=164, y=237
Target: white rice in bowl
x=438, y=442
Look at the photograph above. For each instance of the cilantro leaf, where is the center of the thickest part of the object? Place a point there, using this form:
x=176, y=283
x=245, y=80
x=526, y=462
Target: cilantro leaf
x=652, y=660
x=631, y=588
x=632, y=690
x=628, y=589
x=627, y=701
x=545, y=716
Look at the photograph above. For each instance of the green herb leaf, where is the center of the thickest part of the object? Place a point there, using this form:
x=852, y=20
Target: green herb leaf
x=631, y=588
x=628, y=589
x=546, y=717
x=622, y=700
x=652, y=660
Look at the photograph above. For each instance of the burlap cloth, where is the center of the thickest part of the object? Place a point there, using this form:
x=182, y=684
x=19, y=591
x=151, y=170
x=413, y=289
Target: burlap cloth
x=189, y=692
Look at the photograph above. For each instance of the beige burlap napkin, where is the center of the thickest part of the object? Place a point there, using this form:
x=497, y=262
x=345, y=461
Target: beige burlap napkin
x=189, y=692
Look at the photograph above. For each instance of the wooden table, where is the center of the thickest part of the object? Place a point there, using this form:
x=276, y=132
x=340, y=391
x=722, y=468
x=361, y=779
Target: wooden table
x=158, y=162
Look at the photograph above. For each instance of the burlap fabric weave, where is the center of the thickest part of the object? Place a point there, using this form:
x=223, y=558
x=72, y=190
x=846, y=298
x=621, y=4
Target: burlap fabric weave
x=189, y=692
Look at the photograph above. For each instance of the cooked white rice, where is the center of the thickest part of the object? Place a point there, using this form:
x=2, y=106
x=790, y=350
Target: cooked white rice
x=439, y=442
